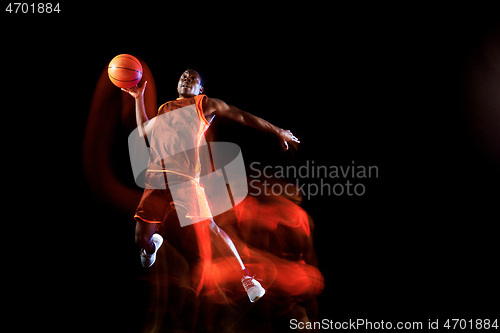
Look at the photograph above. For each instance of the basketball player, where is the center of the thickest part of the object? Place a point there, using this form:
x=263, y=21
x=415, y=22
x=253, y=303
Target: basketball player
x=157, y=203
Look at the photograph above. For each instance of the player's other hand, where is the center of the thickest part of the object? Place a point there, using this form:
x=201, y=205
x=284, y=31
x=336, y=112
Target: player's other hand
x=136, y=91
x=286, y=136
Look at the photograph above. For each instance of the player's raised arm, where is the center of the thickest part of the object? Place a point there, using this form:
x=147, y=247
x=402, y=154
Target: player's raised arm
x=220, y=108
x=140, y=111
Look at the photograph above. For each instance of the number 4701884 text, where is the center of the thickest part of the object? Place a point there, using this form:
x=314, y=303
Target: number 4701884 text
x=34, y=8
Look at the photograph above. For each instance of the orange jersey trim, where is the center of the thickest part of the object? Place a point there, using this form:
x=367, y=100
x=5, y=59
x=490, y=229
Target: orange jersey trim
x=162, y=106
x=199, y=107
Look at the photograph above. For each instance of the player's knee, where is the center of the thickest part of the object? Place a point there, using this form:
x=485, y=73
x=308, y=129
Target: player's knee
x=141, y=239
x=144, y=233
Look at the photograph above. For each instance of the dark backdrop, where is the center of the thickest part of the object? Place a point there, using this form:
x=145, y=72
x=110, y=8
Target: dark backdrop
x=411, y=94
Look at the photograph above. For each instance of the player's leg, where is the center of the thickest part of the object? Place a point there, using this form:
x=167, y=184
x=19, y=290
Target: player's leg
x=144, y=235
x=225, y=245
x=148, y=240
x=149, y=215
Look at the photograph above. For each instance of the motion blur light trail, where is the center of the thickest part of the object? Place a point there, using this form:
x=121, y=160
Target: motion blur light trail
x=271, y=244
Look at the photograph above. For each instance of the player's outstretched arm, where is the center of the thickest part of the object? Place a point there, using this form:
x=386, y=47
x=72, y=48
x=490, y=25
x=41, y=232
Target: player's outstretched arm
x=220, y=108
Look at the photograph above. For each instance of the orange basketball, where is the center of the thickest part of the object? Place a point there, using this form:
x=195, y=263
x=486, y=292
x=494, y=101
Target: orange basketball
x=125, y=71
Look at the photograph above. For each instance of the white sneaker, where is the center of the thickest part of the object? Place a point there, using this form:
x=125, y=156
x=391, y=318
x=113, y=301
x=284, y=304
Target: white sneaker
x=147, y=260
x=253, y=288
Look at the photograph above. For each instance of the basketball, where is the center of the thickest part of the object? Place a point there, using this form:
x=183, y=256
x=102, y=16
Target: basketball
x=125, y=71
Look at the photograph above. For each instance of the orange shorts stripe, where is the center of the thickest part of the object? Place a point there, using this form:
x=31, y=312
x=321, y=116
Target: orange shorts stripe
x=138, y=217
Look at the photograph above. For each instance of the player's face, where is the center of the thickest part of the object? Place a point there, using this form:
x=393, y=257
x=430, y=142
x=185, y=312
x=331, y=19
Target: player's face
x=189, y=84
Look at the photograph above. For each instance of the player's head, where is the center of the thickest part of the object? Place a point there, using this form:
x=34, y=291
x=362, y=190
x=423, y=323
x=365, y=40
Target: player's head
x=190, y=84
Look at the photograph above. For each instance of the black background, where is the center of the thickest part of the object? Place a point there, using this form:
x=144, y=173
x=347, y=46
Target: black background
x=410, y=90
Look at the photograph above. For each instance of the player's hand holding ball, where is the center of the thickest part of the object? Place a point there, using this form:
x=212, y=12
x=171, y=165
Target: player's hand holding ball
x=136, y=91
